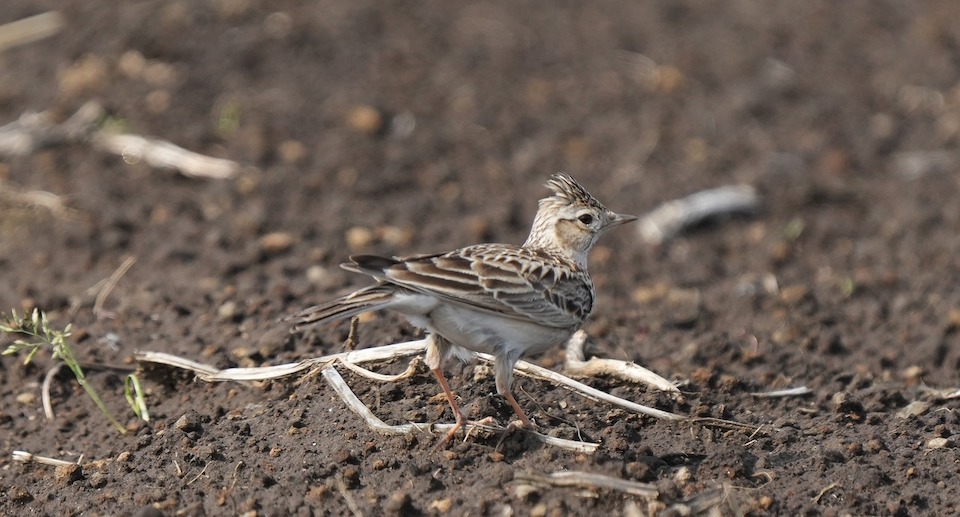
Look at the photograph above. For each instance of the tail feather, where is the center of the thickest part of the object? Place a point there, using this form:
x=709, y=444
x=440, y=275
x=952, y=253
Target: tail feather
x=365, y=300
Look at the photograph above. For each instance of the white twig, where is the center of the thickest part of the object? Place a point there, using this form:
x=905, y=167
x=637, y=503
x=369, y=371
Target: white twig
x=381, y=353
x=363, y=372
x=16, y=197
x=26, y=457
x=589, y=480
x=535, y=371
x=792, y=392
x=352, y=358
x=672, y=217
x=110, y=283
x=943, y=394
x=211, y=374
x=350, y=398
x=176, y=362
x=45, y=390
x=33, y=131
x=160, y=153
x=30, y=29
x=615, y=368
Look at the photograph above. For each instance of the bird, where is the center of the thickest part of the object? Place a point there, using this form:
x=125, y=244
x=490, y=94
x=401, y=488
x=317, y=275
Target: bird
x=501, y=299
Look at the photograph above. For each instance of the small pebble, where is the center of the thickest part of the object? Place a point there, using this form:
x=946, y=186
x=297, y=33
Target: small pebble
x=912, y=374
x=85, y=76
x=793, y=294
x=844, y=402
x=157, y=101
x=316, y=494
x=395, y=235
x=277, y=242
x=19, y=494
x=227, y=311
x=131, y=64
x=291, y=152
x=319, y=276
x=669, y=79
x=98, y=479
x=190, y=421
x=765, y=502
x=524, y=491
x=939, y=443
x=539, y=510
x=398, y=503
x=365, y=119
x=441, y=505
x=359, y=238
x=873, y=446
x=953, y=318
x=915, y=408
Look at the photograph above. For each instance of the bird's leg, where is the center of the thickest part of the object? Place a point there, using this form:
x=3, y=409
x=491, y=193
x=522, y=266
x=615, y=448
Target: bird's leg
x=503, y=371
x=437, y=350
x=524, y=421
x=453, y=406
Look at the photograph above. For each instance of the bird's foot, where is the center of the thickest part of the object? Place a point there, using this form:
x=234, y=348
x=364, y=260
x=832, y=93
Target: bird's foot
x=461, y=422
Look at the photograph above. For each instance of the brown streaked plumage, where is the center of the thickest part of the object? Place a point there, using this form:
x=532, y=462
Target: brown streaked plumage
x=501, y=299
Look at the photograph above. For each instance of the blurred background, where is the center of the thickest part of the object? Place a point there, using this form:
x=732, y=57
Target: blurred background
x=411, y=127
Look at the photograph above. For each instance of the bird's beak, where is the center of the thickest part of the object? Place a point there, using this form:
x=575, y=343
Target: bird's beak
x=614, y=219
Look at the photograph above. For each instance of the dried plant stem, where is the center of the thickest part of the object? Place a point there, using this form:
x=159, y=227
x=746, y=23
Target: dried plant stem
x=34, y=131
x=45, y=390
x=110, y=283
x=350, y=360
x=28, y=30
x=589, y=480
x=26, y=457
x=622, y=369
x=339, y=385
x=791, y=392
x=672, y=217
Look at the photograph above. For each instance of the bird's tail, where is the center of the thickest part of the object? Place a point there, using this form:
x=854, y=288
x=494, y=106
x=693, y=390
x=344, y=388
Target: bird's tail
x=366, y=299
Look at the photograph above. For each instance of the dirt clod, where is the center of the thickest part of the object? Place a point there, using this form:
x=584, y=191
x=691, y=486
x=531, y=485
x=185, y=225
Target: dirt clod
x=67, y=474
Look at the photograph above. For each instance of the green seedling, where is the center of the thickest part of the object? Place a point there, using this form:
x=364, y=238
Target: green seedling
x=134, y=395
x=37, y=334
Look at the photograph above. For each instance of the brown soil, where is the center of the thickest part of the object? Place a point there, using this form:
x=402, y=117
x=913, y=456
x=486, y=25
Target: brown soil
x=405, y=127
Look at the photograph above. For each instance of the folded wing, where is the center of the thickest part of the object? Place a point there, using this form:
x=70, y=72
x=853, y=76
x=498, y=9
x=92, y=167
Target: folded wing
x=508, y=280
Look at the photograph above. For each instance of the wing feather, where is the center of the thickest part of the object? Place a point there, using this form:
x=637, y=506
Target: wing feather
x=512, y=281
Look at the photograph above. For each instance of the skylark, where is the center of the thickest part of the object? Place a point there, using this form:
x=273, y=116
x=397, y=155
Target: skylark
x=501, y=299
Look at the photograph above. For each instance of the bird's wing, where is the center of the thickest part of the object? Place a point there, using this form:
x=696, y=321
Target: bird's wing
x=512, y=281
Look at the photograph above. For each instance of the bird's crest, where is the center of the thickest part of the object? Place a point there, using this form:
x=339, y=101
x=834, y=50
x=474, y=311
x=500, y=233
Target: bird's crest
x=566, y=189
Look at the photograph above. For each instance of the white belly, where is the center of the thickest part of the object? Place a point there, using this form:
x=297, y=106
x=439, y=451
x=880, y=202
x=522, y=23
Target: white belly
x=482, y=331
x=478, y=330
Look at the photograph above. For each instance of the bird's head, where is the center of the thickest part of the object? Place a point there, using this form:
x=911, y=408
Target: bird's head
x=571, y=220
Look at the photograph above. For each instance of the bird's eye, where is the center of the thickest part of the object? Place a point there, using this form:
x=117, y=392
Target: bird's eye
x=586, y=219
